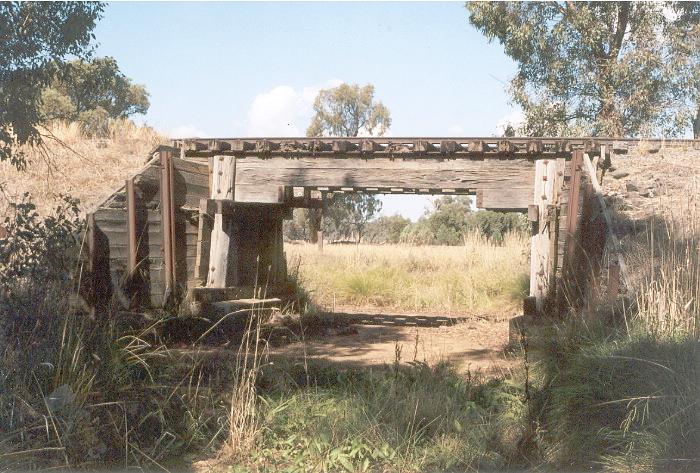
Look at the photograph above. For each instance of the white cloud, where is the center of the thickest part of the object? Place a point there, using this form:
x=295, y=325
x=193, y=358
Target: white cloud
x=515, y=119
x=283, y=110
x=187, y=131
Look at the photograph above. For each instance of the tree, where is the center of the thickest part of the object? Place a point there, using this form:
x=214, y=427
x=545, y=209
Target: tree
x=349, y=214
x=684, y=65
x=598, y=68
x=348, y=110
x=448, y=219
x=35, y=40
x=84, y=86
x=386, y=229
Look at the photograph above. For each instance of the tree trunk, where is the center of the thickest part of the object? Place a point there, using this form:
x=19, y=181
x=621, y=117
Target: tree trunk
x=314, y=223
x=696, y=125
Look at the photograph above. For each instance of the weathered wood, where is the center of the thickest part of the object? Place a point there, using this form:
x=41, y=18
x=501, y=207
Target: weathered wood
x=545, y=172
x=514, y=199
x=190, y=166
x=219, y=253
x=533, y=213
x=260, y=193
x=229, y=207
x=167, y=222
x=610, y=230
x=572, y=216
x=259, y=179
x=213, y=294
x=131, y=224
x=224, y=171
x=387, y=146
x=201, y=265
x=210, y=182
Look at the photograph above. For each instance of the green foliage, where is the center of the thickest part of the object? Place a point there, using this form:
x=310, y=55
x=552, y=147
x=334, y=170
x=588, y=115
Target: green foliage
x=683, y=62
x=598, y=68
x=93, y=92
x=296, y=228
x=386, y=229
x=411, y=417
x=37, y=248
x=495, y=225
x=452, y=218
x=348, y=110
x=35, y=40
x=94, y=122
x=98, y=83
x=349, y=214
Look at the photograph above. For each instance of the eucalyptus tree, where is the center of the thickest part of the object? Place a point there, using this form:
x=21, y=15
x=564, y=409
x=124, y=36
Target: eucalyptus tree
x=599, y=68
x=36, y=39
x=348, y=110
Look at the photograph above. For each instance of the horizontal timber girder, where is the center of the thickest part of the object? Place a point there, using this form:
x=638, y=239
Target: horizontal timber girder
x=355, y=173
x=413, y=147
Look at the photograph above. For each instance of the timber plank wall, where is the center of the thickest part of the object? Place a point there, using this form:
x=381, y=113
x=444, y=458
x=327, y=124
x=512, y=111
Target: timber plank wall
x=108, y=238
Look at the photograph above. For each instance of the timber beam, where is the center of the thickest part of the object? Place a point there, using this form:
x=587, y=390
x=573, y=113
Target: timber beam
x=366, y=148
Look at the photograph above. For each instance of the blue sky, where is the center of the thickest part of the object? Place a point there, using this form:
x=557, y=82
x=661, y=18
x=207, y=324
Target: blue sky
x=253, y=69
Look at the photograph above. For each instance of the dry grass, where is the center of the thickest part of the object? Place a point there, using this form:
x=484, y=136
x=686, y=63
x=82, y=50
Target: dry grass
x=71, y=163
x=477, y=278
x=669, y=299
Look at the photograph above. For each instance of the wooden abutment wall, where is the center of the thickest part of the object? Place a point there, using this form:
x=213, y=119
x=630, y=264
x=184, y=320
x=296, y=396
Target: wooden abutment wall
x=156, y=239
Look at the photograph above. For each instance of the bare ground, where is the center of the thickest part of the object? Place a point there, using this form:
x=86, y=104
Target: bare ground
x=469, y=343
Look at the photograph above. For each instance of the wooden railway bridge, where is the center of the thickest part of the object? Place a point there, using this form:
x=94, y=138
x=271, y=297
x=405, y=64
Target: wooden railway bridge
x=203, y=218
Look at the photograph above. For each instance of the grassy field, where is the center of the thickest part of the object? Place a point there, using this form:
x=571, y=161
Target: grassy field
x=477, y=278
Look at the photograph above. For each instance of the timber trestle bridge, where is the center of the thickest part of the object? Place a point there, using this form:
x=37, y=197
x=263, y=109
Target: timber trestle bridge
x=203, y=218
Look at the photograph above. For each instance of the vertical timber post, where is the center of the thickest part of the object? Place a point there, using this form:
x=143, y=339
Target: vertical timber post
x=223, y=175
x=166, y=214
x=574, y=205
x=131, y=225
x=545, y=176
x=320, y=225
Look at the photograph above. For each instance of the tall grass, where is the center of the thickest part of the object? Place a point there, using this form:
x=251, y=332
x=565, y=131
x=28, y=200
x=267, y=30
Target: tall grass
x=669, y=299
x=478, y=278
x=403, y=418
x=71, y=163
x=626, y=397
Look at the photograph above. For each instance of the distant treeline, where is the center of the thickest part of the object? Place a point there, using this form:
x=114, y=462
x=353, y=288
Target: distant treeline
x=450, y=219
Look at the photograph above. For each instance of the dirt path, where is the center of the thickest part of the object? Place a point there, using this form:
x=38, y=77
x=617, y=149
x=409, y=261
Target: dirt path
x=473, y=343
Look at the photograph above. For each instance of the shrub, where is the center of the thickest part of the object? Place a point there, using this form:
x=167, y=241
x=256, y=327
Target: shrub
x=39, y=249
x=95, y=123
x=386, y=229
